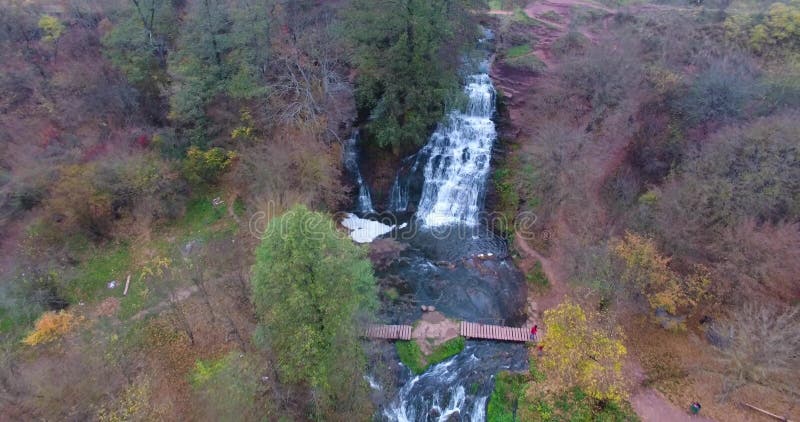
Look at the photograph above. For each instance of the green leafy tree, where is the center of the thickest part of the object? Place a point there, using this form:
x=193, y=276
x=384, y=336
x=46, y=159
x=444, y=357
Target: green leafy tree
x=311, y=286
x=138, y=45
x=222, y=50
x=407, y=55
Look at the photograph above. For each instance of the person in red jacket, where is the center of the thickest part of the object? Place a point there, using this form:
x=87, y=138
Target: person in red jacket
x=534, y=332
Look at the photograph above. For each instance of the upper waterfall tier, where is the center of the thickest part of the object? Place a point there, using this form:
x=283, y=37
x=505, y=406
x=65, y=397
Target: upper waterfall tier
x=457, y=159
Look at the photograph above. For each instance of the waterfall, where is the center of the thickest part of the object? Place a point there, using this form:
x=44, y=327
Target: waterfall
x=457, y=158
x=398, y=196
x=364, y=201
x=456, y=389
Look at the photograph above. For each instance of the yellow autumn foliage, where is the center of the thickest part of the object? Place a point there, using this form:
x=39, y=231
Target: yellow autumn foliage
x=579, y=353
x=647, y=272
x=50, y=326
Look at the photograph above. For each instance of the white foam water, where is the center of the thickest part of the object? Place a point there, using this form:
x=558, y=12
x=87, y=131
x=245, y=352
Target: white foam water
x=458, y=159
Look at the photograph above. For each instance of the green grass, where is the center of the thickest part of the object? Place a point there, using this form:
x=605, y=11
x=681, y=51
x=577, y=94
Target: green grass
x=575, y=405
x=199, y=218
x=16, y=321
x=412, y=357
x=536, y=278
x=518, y=51
x=205, y=370
x=112, y=262
x=508, y=199
x=509, y=389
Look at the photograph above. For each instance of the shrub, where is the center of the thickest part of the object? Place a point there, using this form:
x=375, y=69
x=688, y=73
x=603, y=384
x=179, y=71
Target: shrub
x=508, y=199
x=50, y=326
x=573, y=42
x=718, y=94
x=135, y=403
x=537, y=278
x=530, y=63
x=602, y=76
x=774, y=32
x=208, y=166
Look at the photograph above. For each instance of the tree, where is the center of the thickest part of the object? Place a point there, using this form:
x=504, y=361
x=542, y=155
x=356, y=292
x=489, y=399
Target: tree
x=407, y=55
x=738, y=174
x=222, y=50
x=139, y=44
x=311, y=286
x=758, y=344
x=647, y=273
x=579, y=353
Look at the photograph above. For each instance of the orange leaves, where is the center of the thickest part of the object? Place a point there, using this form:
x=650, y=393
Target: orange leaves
x=50, y=326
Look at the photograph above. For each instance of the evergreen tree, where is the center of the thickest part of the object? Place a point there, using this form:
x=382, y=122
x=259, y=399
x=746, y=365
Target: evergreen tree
x=407, y=55
x=311, y=286
x=223, y=50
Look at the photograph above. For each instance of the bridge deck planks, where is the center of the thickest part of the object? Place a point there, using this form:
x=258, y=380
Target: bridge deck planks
x=389, y=332
x=493, y=332
x=467, y=329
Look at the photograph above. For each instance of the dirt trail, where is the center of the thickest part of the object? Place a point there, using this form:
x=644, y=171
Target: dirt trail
x=651, y=406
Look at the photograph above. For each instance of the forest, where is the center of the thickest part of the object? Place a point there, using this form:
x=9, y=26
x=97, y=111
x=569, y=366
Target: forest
x=179, y=180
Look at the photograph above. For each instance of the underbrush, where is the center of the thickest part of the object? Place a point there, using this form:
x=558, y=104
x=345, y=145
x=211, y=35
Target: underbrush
x=529, y=63
x=523, y=397
x=518, y=51
x=536, y=278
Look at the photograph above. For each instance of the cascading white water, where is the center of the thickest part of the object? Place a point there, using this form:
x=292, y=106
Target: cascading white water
x=458, y=159
x=398, y=196
x=407, y=410
x=364, y=201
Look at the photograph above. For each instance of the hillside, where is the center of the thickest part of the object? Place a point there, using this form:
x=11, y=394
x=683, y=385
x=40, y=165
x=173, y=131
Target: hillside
x=189, y=191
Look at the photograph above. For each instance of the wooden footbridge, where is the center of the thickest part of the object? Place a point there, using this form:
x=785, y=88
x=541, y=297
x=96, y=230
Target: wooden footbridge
x=467, y=329
x=494, y=332
x=389, y=332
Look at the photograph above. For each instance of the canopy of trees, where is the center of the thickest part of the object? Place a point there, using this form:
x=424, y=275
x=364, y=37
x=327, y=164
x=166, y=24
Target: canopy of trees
x=311, y=287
